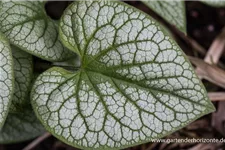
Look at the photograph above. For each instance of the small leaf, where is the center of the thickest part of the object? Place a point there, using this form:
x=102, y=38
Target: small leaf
x=23, y=70
x=27, y=26
x=171, y=11
x=134, y=83
x=6, y=78
x=214, y=3
x=20, y=126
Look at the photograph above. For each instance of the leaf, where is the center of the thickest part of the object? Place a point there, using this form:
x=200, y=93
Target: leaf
x=6, y=78
x=21, y=123
x=23, y=75
x=27, y=26
x=214, y=3
x=20, y=127
x=172, y=11
x=134, y=83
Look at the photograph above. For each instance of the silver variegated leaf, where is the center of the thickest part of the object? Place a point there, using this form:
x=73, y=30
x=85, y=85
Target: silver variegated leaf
x=134, y=83
x=173, y=11
x=27, y=26
x=21, y=123
x=6, y=78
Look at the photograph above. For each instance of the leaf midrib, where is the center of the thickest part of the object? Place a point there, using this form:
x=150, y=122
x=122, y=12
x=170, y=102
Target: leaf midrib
x=151, y=89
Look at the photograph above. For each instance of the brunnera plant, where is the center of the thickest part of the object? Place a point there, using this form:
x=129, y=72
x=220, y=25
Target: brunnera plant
x=133, y=84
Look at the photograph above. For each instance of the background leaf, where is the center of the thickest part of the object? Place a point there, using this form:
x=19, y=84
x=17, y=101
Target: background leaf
x=20, y=126
x=6, y=78
x=214, y=3
x=134, y=83
x=172, y=11
x=27, y=26
x=23, y=70
x=21, y=123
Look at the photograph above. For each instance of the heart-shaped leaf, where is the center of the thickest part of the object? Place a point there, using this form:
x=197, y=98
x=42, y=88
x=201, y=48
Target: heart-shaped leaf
x=27, y=26
x=134, y=83
x=20, y=126
x=214, y=3
x=171, y=11
x=6, y=78
x=23, y=70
